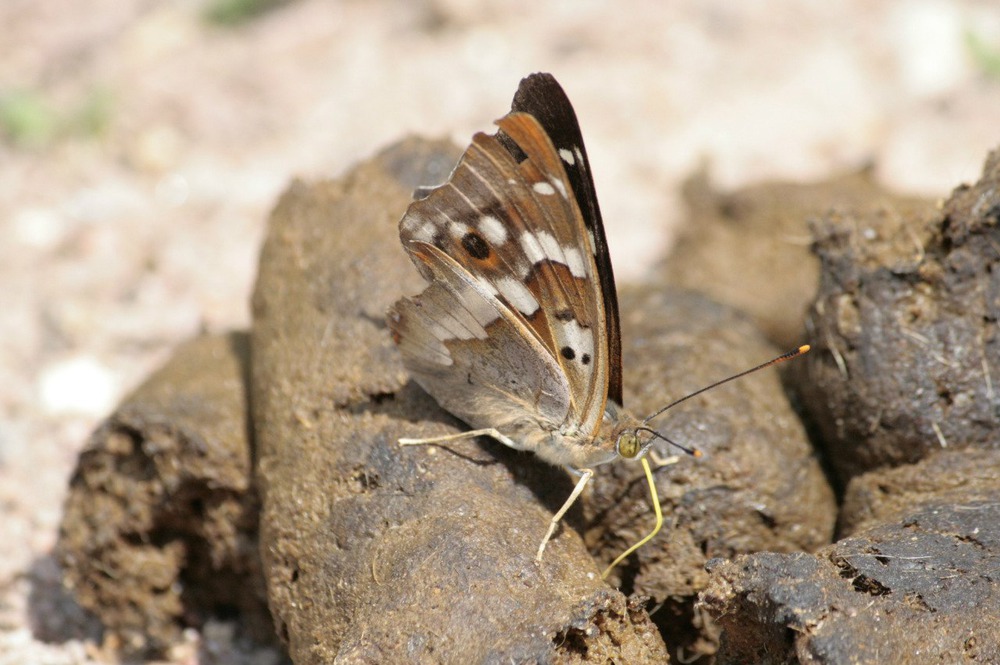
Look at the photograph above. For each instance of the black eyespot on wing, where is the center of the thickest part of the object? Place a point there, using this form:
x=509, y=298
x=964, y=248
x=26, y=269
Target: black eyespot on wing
x=475, y=246
x=568, y=353
x=585, y=359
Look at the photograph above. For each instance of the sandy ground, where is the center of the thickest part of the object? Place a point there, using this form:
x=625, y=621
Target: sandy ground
x=143, y=146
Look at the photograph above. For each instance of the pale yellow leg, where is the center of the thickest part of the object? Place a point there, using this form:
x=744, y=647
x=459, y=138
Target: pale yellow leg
x=661, y=462
x=471, y=434
x=585, y=475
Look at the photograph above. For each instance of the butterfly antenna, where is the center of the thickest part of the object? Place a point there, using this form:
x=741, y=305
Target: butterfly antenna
x=693, y=452
x=774, y=361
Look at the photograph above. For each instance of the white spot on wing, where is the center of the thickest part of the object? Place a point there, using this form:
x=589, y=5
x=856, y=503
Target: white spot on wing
x=493, y=230
x=532, y=249
x=560, y=186
x=550, y=247
x=574, y=260
x=593, y=243
x=567, y=156
x=542, y=245
x=518, y=295
x=419, y=227
x=457, y=230
x=544, y=188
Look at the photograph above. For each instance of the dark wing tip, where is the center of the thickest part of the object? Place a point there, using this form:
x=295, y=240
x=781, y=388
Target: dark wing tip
x=540, y=88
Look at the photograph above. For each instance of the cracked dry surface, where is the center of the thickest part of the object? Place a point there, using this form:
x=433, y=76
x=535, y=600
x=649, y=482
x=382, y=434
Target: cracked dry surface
x=922, y=590
x=899, y=389
x=357, y=533
x=905, y=335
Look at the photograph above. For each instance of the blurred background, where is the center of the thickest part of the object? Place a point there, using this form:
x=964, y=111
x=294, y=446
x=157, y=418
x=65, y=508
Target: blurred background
x=143, y=143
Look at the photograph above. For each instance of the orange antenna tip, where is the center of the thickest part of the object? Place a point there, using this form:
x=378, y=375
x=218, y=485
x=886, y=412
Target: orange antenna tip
x=773, y=361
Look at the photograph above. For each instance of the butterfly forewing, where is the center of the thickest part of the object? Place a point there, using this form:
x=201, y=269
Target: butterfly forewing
x=566, y=277
x=541, y=96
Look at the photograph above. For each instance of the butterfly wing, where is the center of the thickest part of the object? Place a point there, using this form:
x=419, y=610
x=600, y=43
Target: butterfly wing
x=516, y=321
x=541, y=96
x=511, y=219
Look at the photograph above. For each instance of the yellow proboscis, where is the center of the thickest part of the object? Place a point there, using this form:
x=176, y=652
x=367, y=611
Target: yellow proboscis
x=656, y=529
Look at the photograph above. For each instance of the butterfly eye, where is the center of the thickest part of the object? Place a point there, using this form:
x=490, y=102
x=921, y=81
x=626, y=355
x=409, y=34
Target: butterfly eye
x=628, y=445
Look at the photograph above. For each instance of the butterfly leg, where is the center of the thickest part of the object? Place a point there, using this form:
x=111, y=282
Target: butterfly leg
x=585, y=475
x=661, y=462
x=471, y=434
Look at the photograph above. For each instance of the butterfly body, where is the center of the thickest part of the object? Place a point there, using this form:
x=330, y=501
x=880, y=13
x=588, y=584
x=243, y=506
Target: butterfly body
x=517, y=333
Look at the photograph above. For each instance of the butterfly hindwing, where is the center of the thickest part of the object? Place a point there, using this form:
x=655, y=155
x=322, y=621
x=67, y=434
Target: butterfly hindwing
x=472, y=353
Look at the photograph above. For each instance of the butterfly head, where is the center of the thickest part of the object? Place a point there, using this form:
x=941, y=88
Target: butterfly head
x=633, y=437
x=636, y=442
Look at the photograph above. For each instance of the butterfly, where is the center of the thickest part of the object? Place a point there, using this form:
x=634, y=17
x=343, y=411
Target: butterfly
x=518, y=333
